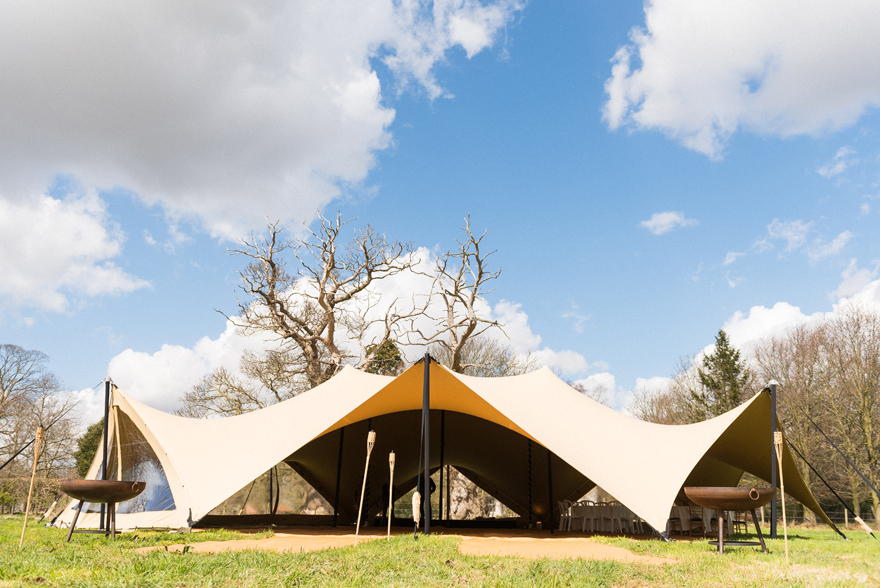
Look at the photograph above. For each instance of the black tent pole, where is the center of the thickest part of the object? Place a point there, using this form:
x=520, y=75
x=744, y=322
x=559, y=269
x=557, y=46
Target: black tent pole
x=106, y=429
x=426, y=419
x=550, y=489
x=338, y=477
x=531, y=515
x=772, y=457
x=442, y=448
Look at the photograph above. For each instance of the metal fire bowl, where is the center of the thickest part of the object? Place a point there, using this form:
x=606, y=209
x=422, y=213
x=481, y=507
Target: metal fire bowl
x=102, y=490
x=726, y=498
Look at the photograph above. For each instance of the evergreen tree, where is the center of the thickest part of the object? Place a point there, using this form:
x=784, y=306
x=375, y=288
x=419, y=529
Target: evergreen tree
x=387, y=361
x=87, y=447
x=724, y=379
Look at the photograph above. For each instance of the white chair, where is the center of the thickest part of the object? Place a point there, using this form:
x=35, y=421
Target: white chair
x=635, y=523
x=593, y=516
x=609, y=514
x=564, y=515
x=626, y=518
x=579, y=516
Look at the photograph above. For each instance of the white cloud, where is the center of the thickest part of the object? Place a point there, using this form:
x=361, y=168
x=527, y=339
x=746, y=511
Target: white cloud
x=58, y=251
x=745, y=329
x=838, y=164
x=217, y=110
x=565, y=361
x=794, y=233
x=820, y=251
x=601, y=387
x=732, y=256
x=699, y=70
x=523, y=341
x=661, y=223
x=159, y=379
x=865, y=209
x=868, y=296
x=855, y=279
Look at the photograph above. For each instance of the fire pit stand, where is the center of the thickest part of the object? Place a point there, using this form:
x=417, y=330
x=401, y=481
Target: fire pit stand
x=107, y=491
x=721, y=499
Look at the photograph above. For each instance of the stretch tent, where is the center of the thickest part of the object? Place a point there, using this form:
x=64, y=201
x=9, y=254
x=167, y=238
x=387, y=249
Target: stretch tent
x=516, y=437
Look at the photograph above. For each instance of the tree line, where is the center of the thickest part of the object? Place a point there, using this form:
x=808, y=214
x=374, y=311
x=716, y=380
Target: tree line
x=32, y=397
x=828, y=373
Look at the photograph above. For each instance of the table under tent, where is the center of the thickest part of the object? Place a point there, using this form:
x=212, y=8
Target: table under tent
x=530, y=441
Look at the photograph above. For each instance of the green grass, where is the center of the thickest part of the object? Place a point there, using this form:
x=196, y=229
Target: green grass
x=818, y=558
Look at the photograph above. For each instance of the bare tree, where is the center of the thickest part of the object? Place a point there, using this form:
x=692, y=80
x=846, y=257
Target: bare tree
x=794, y=360
x=307, y=309
x=23, y=376
x=851, y=350
x=484, y=357
x=461, y=282
x=670, y=406
x=266, y=378
x=30, y=398
x=330, y=302
x=599, y=392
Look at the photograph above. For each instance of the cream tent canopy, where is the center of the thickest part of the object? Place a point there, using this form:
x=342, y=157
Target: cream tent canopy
x=516, y=437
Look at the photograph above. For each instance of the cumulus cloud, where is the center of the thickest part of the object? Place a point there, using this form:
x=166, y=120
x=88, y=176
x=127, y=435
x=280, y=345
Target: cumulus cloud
x=838, y=164
x=159, y=379
x=855, y=279
x=699, y=70
x=868, y=296
x=217, y=110
x=661, y=223
x=746, y=328
x=601, y=387
x=58, y=251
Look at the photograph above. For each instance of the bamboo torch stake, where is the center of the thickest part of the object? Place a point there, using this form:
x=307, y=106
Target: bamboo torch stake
x=371, y=440
x=417, y=507
x=390, y=493
x=777, y=442
x=38, y=445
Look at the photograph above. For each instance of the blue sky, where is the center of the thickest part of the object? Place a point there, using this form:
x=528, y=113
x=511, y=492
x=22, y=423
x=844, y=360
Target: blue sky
x=647, y=175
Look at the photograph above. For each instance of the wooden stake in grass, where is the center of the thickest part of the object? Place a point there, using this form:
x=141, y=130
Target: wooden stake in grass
x=390, y=492
x=864, y=525
x=417, y=511
x=371, y=440
x=38, y=445
x=777, y=443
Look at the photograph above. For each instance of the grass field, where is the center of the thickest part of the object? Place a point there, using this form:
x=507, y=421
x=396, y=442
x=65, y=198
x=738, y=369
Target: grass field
x=819, y=558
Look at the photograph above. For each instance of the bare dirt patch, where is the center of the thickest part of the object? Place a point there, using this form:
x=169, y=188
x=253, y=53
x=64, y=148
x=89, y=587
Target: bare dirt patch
x=526, y=544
